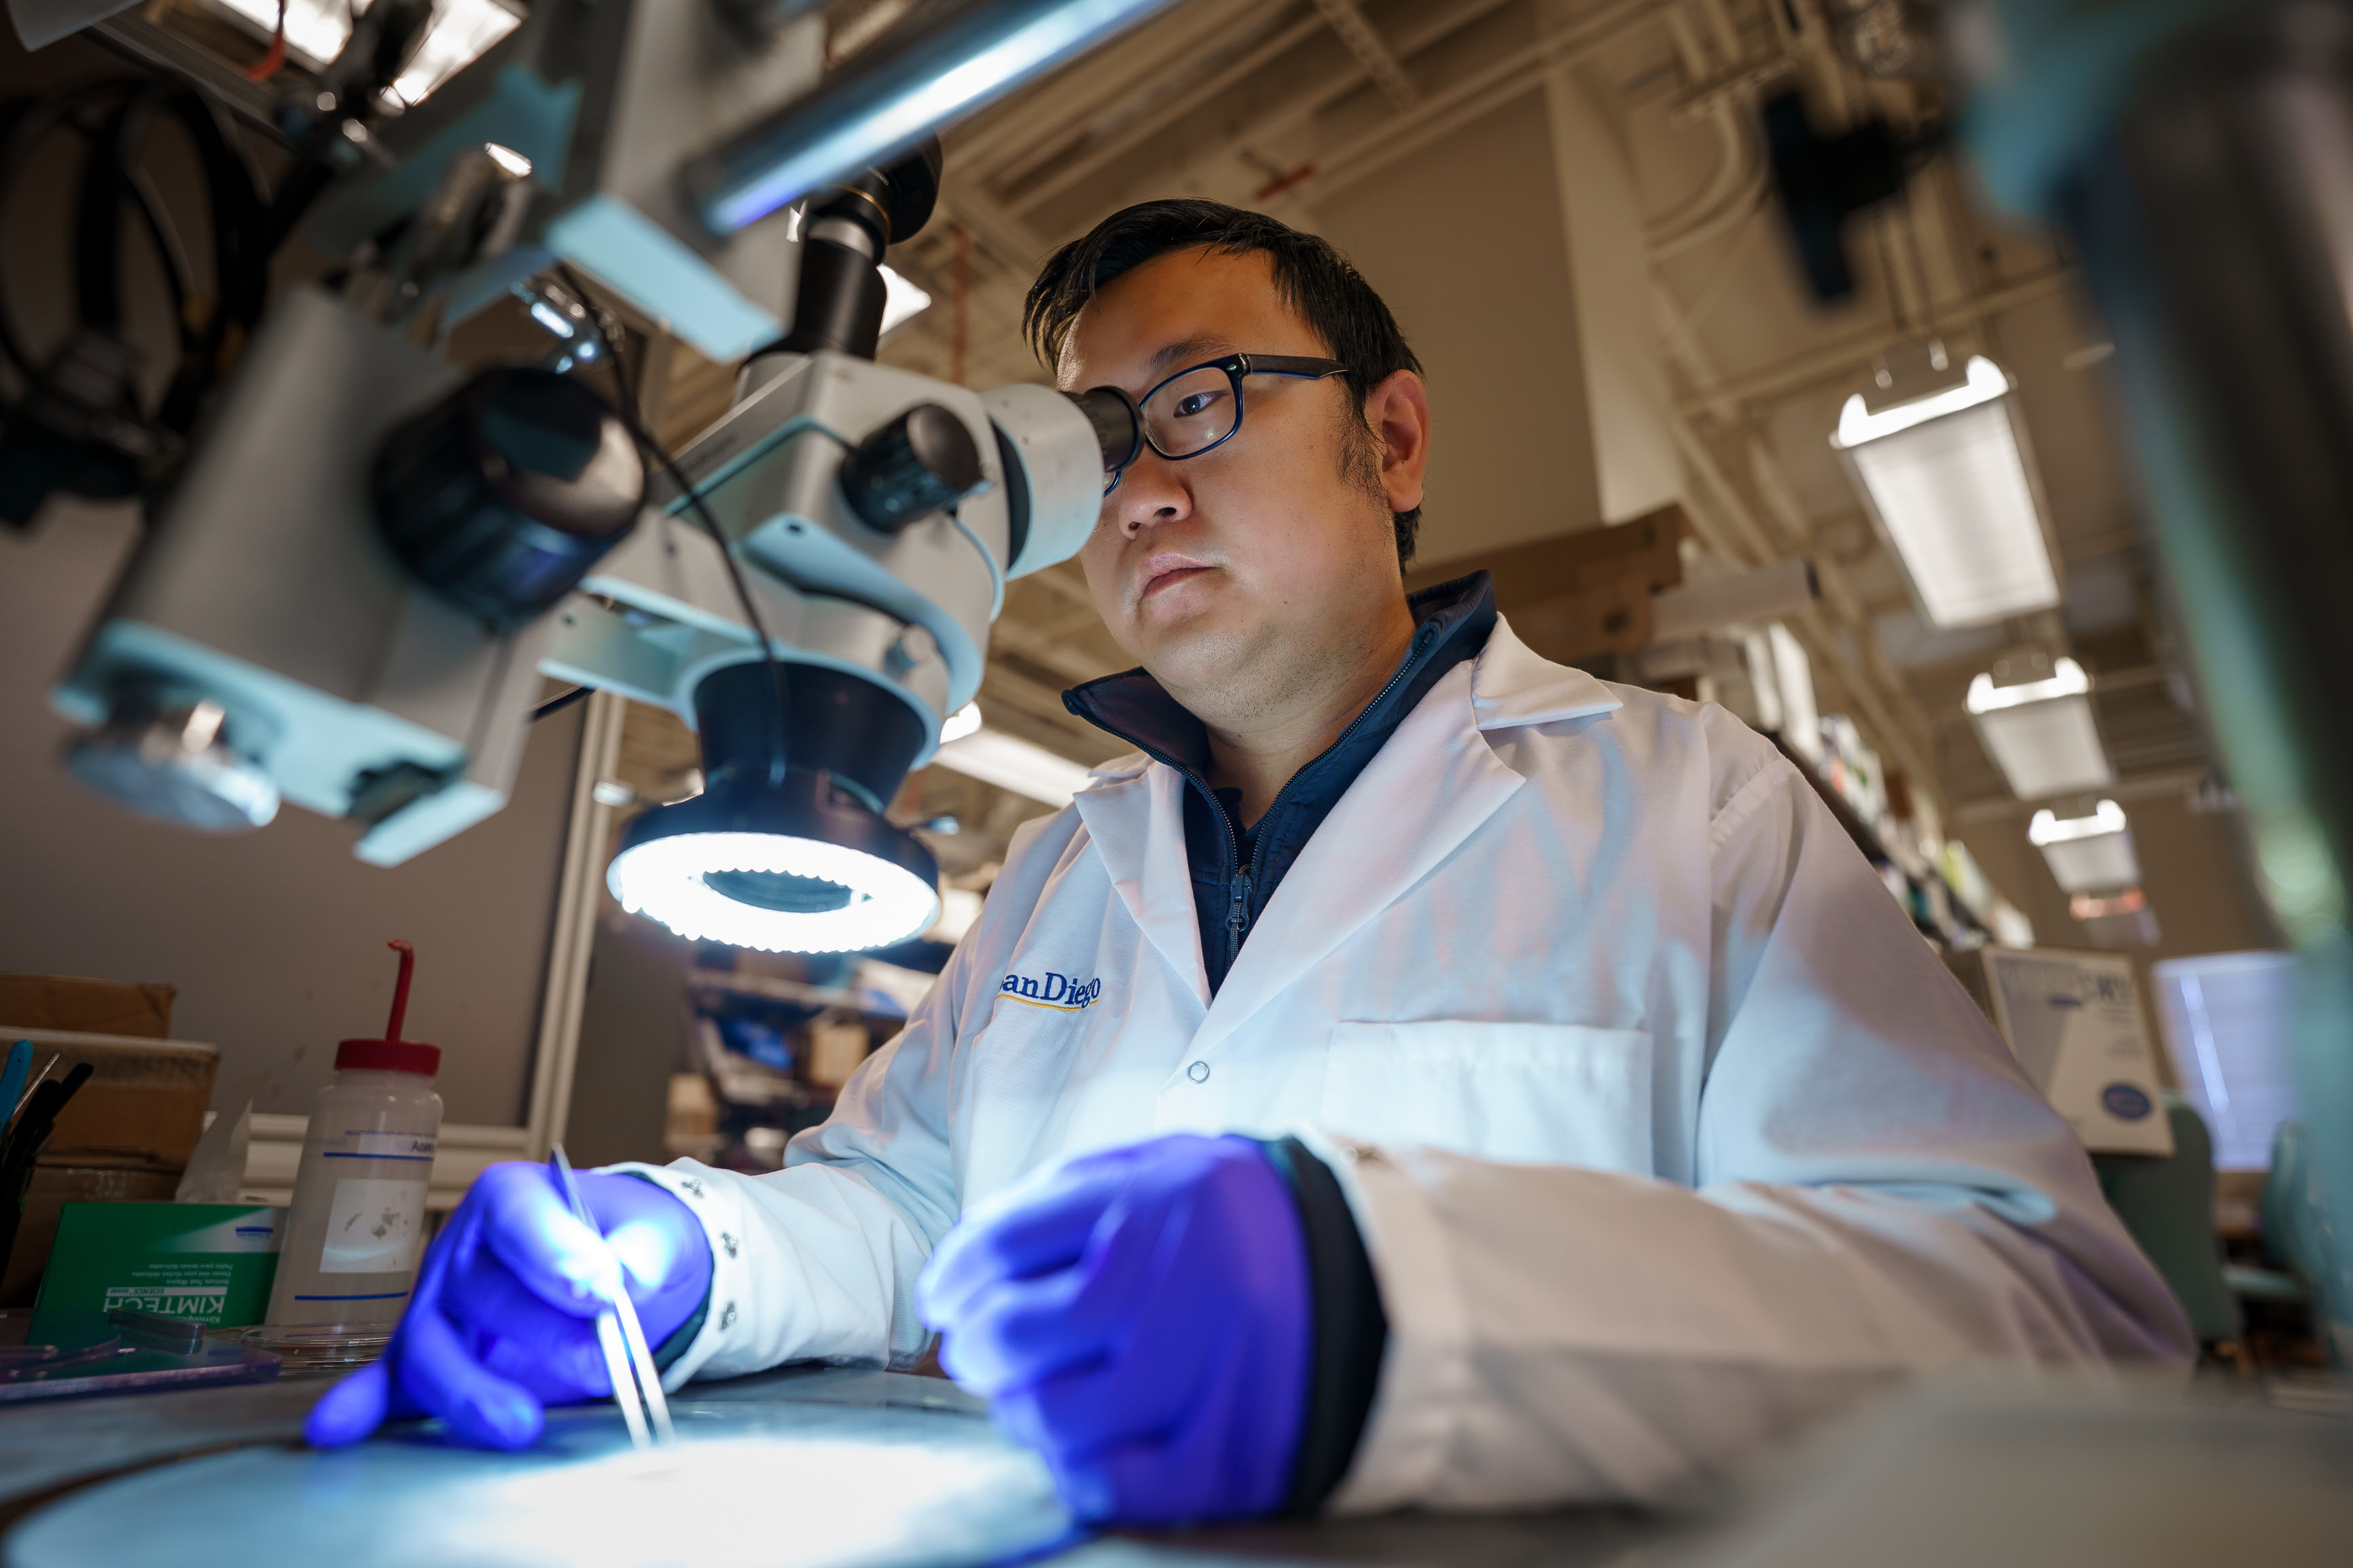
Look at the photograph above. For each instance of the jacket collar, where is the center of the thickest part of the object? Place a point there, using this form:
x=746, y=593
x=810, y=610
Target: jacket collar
x=1436, y=772
x=1451, y=618
x=1513, y=685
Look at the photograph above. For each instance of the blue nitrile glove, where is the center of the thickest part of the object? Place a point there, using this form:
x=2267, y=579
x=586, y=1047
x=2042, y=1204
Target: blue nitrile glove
x=1141, y=1316
x=504, y=1322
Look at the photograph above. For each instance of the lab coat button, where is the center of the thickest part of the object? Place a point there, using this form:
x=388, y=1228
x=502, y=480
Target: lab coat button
x=728, y=1242
x=1199, y=1072
x=727, y=1318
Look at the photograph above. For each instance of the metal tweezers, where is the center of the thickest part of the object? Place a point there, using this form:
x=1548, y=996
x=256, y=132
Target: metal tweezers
x=637, y=1382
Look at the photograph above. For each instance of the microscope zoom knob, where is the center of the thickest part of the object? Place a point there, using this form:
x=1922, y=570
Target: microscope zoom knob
x=911, y=467
x=501, y=497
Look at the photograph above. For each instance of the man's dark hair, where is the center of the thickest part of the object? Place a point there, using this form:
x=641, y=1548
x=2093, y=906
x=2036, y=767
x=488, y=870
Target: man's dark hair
x=1316, y=280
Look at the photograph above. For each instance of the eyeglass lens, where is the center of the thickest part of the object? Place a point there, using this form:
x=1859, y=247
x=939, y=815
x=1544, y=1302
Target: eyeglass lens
x=1191, y=413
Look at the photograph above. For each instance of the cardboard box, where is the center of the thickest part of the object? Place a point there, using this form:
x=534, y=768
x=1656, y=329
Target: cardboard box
x=1577, y=596
x=143, y=1106
x=84, y=1006
x=213, y=1263
x=2074, y=1022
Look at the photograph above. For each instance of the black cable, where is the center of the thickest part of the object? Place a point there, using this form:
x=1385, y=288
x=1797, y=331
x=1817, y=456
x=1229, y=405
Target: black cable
x=247, y=223
x=31, y=123
x=179, y=269
x=661, y=454
x=558, y=704
x=114, y=176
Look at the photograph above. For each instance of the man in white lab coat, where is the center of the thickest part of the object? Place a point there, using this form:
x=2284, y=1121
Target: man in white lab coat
x=1494, y=1086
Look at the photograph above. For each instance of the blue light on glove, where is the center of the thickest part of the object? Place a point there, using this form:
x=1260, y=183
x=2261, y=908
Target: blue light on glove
x=1142, y=1318
x=503, y=1322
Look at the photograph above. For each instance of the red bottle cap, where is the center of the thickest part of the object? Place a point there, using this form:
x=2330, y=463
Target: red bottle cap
x=388, y=1056
x=392, y=1054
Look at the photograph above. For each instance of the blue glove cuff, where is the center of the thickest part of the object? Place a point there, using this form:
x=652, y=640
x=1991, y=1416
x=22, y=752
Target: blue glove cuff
x=681, y=1338
x=1351, y=1331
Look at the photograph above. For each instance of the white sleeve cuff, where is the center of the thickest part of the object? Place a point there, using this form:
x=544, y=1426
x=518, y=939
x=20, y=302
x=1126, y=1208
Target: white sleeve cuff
x=1425, y=1381
x=718, y=1204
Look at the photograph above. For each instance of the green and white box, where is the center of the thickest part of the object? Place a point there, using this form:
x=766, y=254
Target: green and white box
x=210, y=1262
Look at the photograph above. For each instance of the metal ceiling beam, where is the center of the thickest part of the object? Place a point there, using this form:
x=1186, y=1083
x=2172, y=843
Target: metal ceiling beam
x=1295, y=106
x=1851, y=356
x=1068, y=171
x=1382, y=66
x=1988, y=810
x=1483, y=89
x=1011, y=139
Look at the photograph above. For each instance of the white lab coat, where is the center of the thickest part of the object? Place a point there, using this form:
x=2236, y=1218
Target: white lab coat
x=1665, y=1131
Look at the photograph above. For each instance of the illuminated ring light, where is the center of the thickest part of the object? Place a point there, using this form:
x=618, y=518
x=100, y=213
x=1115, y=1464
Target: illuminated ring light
x=802, y=868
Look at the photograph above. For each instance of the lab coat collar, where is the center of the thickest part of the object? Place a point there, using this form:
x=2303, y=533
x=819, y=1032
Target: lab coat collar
x=1134, y=816
x=1511, y=685
x=1424, y=793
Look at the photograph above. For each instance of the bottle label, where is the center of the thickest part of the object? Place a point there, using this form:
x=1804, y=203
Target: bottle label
x=373, y=1226
x=359, y=1145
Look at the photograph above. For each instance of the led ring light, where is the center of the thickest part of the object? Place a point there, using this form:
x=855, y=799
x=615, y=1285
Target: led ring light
x=797, y=859
x=695, y=884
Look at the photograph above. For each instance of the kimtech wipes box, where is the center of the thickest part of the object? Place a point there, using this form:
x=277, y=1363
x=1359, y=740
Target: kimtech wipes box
x=2073, y=1021
x=210, y=1262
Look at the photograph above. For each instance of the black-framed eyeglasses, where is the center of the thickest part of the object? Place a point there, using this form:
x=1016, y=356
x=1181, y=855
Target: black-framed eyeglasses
x=1199, y=407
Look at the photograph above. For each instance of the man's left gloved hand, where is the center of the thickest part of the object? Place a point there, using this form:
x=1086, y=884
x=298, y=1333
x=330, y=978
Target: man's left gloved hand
x=1141, y=1316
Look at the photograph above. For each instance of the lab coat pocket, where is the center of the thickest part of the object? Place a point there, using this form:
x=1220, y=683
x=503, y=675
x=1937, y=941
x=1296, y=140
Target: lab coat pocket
x=1542, y=1093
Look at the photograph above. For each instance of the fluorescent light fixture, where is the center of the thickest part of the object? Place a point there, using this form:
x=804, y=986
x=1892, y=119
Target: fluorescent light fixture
x=2049, y=827
x=2066, y=679
x=2094, y=906
x=2087, y=854
x=994, y=757
x=316, y=31
x=2041, y=734
x=1945, y=477
x=684, y=879
x=2117, y=920
x=964, y=722
x=901, y=300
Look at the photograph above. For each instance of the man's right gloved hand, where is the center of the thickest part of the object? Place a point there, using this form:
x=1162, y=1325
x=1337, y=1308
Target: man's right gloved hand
x=503, y=1322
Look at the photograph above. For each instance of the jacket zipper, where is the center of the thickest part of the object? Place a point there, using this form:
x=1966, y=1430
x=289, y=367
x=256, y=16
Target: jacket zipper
x=1237, y=888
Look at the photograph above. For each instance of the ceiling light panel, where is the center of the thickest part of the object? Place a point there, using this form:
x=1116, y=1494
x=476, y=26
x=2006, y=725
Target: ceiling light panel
x=2087, y=854
x=2040, y=733
x=2048, y=749
x=1946, y=478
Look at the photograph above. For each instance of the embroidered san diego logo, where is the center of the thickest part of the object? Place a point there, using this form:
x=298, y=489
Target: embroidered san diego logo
x=1067, y=992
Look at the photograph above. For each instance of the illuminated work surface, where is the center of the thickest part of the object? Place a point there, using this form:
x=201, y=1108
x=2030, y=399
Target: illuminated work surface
x=811, y=1465
x=807, y=1466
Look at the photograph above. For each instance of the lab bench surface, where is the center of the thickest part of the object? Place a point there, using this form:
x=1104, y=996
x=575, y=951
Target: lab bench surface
x=2082, y=1472
x=68, y=1461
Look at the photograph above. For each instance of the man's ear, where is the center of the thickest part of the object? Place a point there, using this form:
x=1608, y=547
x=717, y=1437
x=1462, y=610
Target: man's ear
x=1397, y=410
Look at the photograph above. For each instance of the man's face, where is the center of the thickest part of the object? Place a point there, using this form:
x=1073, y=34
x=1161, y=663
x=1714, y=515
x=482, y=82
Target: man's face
x=1237, y=574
